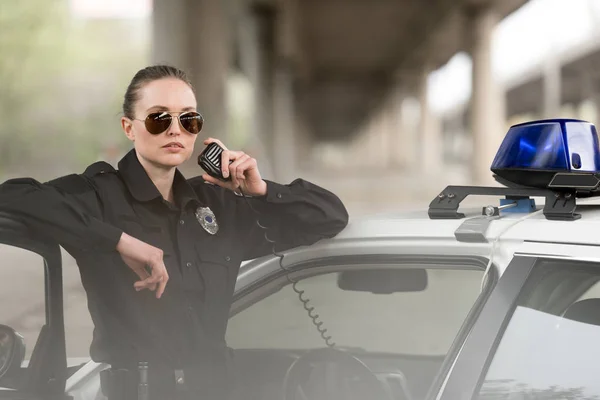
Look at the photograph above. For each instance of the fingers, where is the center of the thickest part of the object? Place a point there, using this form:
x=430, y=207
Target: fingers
x=225, y=163
x=144, y=275
x=161, y=287
x=217, y=141
x=227, y=158
x=147, y=263
x=216, y=181
x=158, y=278
x=236, y=169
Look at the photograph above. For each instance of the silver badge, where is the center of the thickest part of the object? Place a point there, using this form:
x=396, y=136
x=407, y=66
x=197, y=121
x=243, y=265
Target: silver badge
x=207, y=219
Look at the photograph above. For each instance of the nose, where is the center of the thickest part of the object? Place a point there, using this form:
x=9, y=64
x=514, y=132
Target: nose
x=175, y=128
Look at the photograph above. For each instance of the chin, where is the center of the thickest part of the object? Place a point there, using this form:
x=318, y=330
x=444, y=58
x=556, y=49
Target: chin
x=172, y=160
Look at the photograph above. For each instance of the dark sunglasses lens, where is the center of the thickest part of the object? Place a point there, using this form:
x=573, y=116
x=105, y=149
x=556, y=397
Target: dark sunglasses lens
x=192, y=122
x=158, y=122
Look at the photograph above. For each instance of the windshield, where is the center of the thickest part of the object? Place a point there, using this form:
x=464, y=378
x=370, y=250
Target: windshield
x=420, y=323
x=403, y=335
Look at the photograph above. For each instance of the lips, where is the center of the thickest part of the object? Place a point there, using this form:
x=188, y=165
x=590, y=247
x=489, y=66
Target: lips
x=174, y=144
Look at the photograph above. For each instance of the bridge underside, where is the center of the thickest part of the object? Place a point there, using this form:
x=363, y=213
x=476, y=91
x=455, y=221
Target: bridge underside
x=320, y=69
x=353, y=52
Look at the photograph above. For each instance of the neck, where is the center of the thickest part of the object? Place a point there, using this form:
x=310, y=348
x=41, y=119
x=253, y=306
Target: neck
x=161, y=177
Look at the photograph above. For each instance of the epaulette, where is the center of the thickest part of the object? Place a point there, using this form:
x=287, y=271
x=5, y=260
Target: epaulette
x=100, y=167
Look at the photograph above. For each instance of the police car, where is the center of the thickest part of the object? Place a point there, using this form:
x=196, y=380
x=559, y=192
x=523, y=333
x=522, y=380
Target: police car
x=501, y=301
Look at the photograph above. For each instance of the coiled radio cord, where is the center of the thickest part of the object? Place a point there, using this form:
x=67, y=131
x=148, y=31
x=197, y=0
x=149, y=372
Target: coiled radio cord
x=310, y=310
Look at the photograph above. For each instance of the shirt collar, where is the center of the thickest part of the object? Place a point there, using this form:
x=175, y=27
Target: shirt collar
x=143, y=189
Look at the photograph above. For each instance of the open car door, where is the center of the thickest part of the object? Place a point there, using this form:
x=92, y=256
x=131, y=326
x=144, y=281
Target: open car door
x=44, y=375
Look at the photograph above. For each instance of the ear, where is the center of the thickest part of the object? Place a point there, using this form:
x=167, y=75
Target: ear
x=127, y=126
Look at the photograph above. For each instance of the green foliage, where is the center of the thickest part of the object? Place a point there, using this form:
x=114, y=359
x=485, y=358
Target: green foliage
x=61, y=82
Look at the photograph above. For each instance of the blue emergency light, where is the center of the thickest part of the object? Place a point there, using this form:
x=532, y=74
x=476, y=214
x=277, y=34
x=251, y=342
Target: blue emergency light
x=558, y=159
x=553, y=153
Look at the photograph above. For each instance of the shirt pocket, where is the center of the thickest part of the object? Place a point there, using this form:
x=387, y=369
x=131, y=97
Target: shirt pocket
x=219, y=266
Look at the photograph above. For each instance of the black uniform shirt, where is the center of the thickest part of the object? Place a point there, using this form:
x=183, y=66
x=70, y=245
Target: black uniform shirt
x=87, y=213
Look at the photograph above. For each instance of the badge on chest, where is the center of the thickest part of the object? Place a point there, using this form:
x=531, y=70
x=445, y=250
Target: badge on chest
x=207, y=219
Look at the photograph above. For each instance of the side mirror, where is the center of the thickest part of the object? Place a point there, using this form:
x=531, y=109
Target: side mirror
x=12, y=351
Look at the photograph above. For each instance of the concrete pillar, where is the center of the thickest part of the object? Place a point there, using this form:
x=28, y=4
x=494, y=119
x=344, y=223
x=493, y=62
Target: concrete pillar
x=552, y=87
x=193, y=35
x=397, y=132
x=411, y=146
x=255, y=38
x=487, y=100
x=430, y=140
x=284, y=156
x=387, y=128
x=171, y=41
x=303, y=141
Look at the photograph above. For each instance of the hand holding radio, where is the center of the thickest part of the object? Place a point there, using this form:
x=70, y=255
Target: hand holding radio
x=231, y=169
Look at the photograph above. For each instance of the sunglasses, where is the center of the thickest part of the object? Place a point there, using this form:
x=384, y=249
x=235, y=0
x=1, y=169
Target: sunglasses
x=158, y=122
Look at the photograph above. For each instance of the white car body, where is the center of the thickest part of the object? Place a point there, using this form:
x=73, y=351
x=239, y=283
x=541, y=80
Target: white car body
x=414, y=233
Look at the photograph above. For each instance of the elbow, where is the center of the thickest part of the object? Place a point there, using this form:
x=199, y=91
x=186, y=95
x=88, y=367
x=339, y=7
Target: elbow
x=338, y=218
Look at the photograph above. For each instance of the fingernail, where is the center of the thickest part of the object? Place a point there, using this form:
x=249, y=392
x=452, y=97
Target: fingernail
x=225, y=174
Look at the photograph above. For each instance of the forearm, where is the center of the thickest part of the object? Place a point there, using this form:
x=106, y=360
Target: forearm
x=304, y=205
x=298, y=214
x=66, y=218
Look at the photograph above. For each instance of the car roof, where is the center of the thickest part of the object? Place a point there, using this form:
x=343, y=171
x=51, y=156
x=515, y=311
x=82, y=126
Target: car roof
x=416, y=224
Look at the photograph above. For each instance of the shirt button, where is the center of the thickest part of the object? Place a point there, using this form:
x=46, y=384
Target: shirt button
x=189, y=265
x=181, y=222
x=227, y=258
x=279, y=195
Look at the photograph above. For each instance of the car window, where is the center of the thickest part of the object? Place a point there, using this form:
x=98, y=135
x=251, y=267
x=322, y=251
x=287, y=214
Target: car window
x=420, y=323
x=550, y=348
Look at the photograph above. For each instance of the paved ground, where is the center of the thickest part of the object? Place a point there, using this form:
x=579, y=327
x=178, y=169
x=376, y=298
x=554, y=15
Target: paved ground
x=21, y=272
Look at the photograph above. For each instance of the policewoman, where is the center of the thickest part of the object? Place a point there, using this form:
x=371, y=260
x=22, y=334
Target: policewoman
x=158, y=253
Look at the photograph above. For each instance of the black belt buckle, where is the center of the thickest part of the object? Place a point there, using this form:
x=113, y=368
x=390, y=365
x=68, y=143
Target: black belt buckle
x=180, y=384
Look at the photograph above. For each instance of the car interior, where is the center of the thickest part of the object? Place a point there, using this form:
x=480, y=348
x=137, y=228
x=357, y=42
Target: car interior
x=286, y=361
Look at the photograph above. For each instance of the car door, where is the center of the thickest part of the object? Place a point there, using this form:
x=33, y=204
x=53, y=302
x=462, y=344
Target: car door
x=31, y=314
x=537, y=336
x=403, y=333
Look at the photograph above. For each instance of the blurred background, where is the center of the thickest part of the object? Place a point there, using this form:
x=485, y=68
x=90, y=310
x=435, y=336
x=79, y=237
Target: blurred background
x=384, y=102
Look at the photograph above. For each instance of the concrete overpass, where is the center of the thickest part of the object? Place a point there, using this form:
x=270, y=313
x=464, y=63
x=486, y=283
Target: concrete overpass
x=322, y=70
x=568, y=78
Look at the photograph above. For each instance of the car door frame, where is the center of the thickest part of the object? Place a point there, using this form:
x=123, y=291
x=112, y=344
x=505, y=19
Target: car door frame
x=46, y=372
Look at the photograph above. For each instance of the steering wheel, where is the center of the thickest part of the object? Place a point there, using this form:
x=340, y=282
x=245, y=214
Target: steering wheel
x=351, y=377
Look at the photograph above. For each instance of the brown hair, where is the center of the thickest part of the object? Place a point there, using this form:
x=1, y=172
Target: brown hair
x=145, y=76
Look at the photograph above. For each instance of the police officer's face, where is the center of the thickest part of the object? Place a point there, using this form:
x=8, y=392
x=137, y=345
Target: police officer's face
x=175, y=145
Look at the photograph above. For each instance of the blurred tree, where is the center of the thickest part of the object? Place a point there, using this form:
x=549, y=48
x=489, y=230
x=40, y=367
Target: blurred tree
x=62, y=79
x=32, y=50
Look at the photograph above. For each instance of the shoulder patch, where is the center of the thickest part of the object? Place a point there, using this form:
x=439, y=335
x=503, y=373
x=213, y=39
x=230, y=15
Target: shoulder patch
x=100, y=167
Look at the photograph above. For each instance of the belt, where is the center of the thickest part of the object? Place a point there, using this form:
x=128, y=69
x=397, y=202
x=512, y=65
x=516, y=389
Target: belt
x=149, y=382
